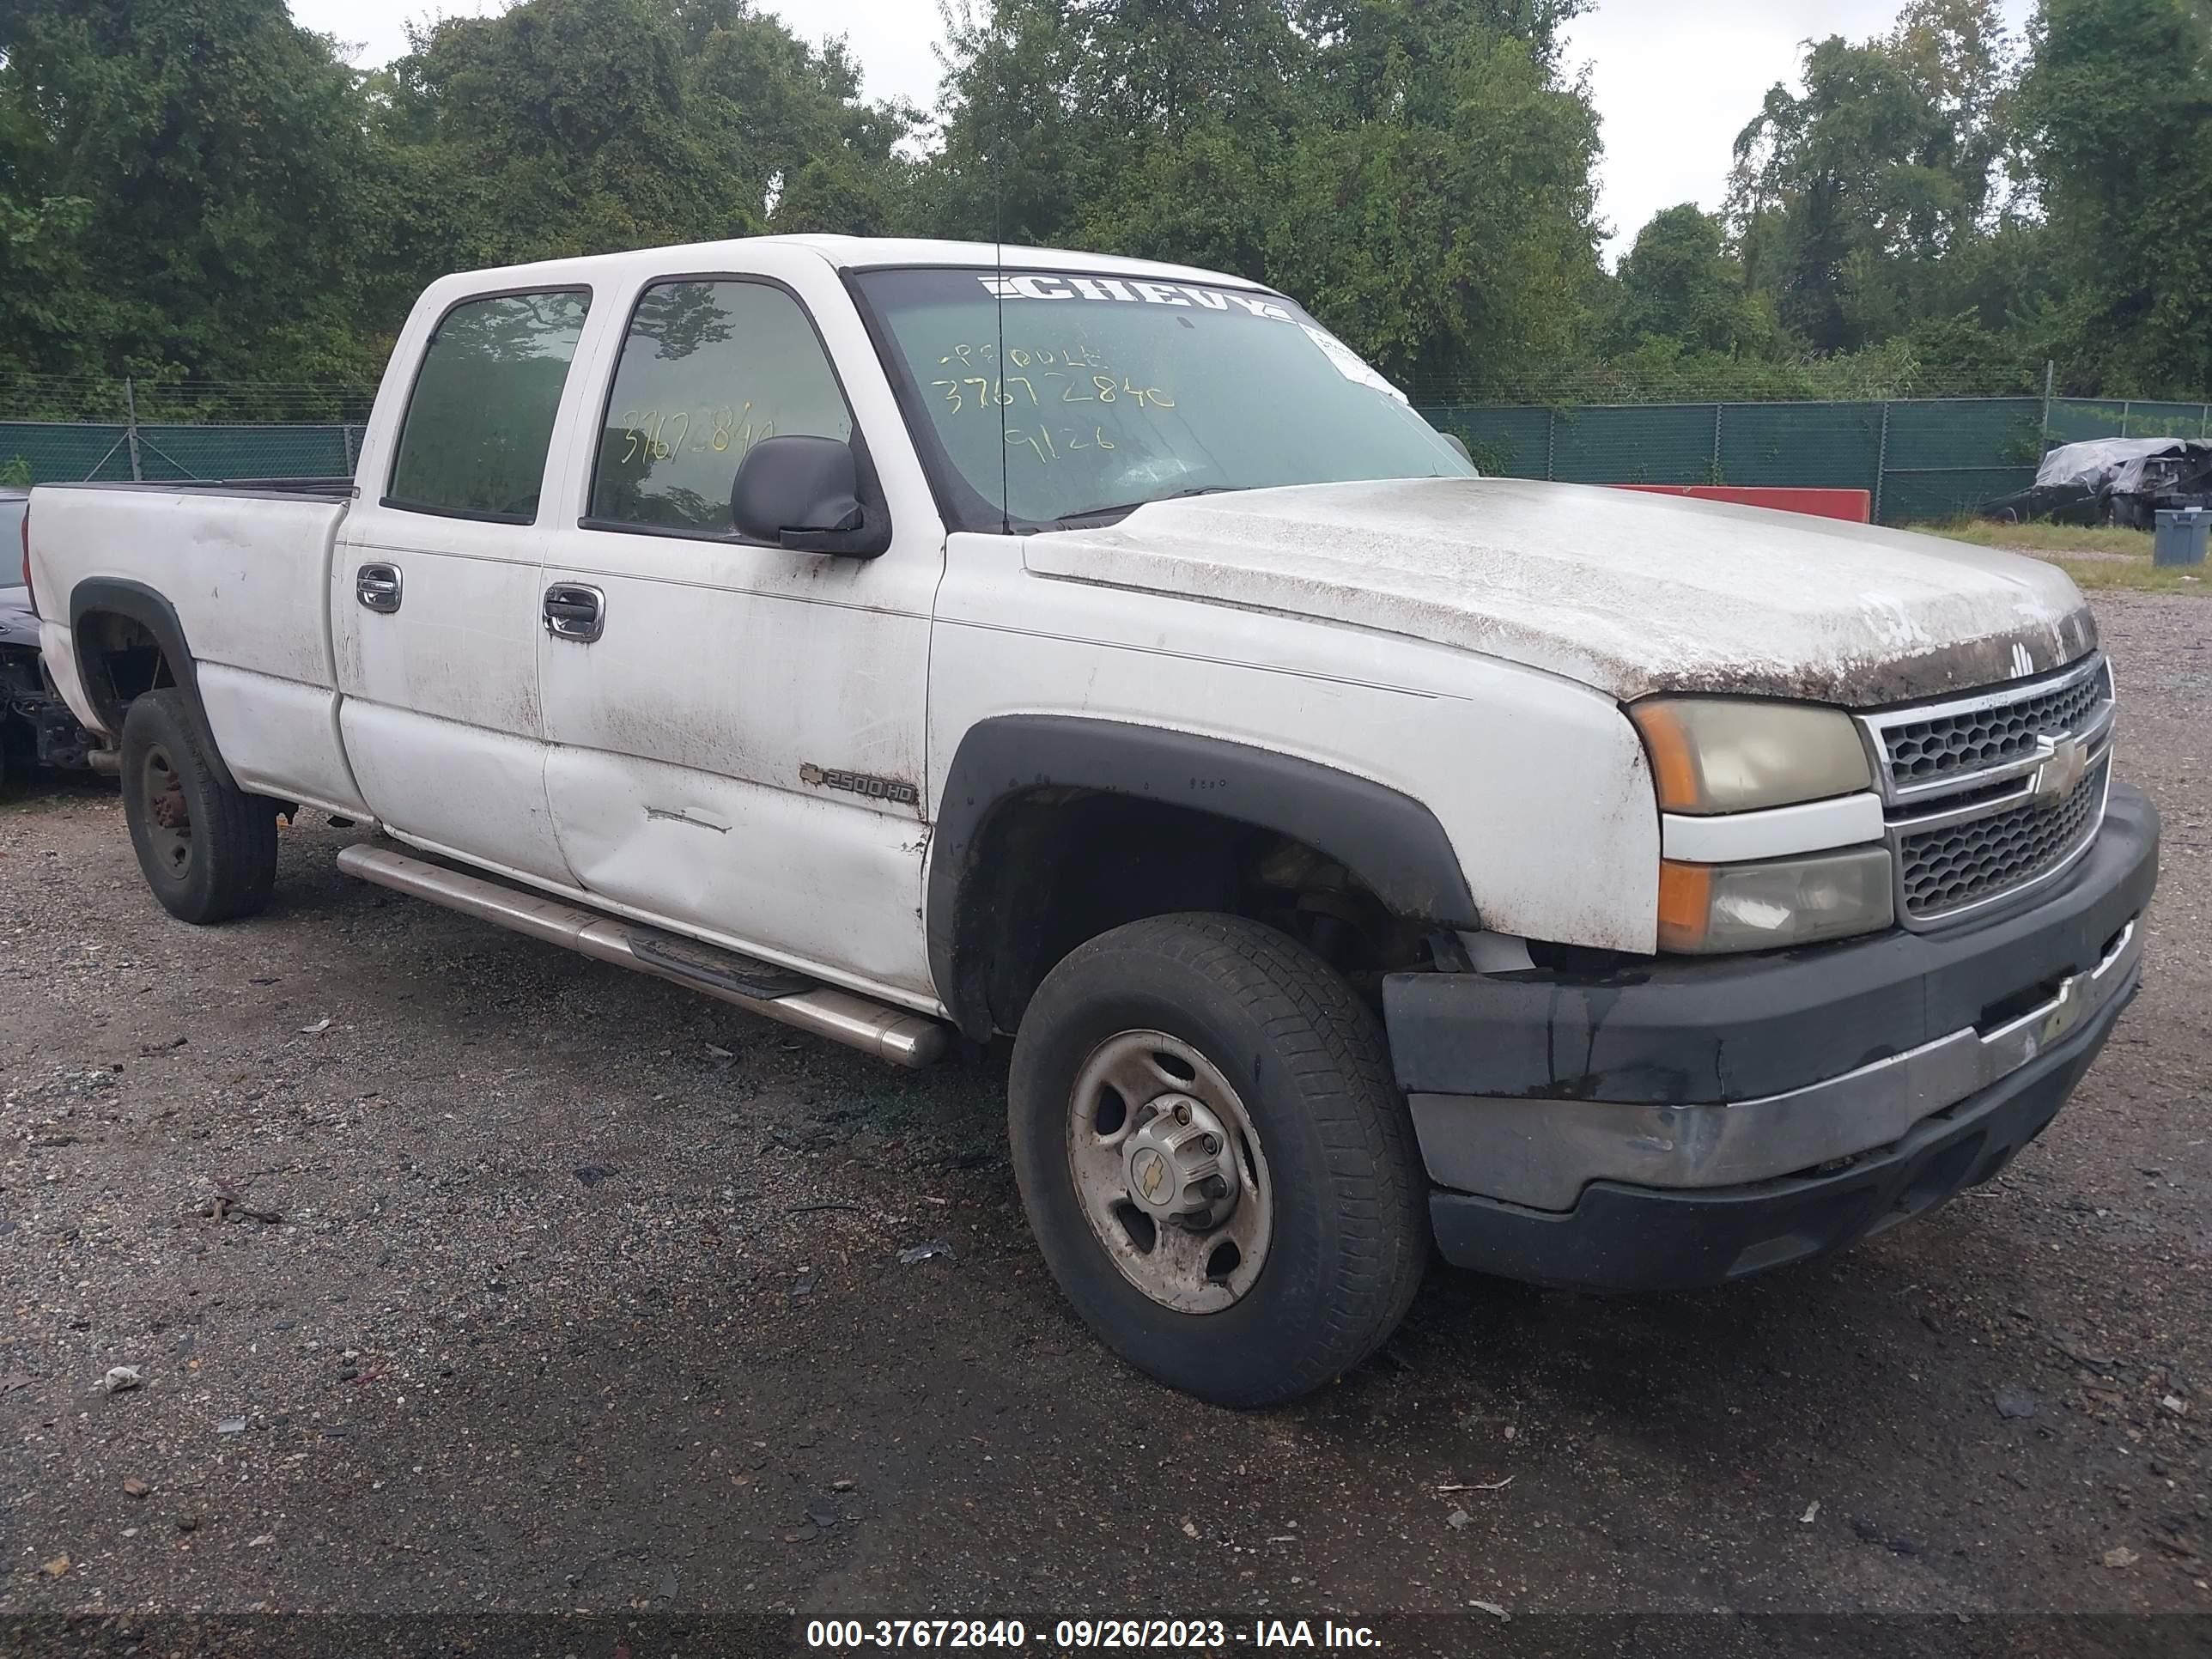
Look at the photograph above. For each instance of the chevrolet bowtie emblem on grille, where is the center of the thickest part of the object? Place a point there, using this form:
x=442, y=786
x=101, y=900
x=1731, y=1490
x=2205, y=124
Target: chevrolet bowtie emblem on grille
x=2055, y=779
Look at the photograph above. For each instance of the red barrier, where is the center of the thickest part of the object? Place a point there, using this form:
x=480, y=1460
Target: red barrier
x=1852, y=506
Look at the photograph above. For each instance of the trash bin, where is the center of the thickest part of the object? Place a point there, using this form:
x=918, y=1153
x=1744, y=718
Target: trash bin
x=2180, y=538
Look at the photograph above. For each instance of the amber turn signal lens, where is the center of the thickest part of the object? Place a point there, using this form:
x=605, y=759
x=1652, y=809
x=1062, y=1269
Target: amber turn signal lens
x=1709, y=908
x=1674, y=764
x=1686, y=904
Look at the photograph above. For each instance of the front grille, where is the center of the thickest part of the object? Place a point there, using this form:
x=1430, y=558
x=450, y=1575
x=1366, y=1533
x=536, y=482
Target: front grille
x=1968, y=821
x=1945, y=870
x=1974, y=739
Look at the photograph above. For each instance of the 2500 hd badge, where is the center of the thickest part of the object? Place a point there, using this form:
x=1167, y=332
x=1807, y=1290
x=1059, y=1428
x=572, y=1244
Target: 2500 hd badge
x=861, y=783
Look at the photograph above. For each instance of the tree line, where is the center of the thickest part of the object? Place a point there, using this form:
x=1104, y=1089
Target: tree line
x=200, y=192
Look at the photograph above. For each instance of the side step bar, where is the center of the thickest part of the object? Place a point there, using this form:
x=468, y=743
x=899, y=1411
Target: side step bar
x=892, y=1034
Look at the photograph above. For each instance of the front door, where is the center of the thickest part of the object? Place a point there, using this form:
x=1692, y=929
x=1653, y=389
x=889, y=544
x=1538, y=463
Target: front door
x=736, y=737
x=436, y=598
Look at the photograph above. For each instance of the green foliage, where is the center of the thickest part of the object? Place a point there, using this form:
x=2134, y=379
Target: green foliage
x=1417, y=174
x=2117, y=112
x=581, y=126
x=1451, y=236
x=182, y=186
x=200, y=189
x=197, y=191
x=1848, y=196
x=1680, y=282
x=562, y=127
x=1985, y=205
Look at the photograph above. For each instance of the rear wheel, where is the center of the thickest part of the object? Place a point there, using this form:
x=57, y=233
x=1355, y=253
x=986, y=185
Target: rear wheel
x=207, y=848
x=1215, y=1159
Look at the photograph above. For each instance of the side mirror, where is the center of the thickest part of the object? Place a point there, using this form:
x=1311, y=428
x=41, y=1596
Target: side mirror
x=1459, y=443
x=801, y=493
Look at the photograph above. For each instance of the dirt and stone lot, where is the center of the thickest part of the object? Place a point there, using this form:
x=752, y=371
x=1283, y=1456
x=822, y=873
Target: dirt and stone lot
x=568, y=1290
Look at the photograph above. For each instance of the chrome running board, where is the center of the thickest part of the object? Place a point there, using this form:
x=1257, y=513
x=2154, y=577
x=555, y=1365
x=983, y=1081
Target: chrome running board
x=892, y=1034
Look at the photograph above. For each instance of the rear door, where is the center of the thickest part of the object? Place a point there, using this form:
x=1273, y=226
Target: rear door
x=736, y=734
x=435, y=605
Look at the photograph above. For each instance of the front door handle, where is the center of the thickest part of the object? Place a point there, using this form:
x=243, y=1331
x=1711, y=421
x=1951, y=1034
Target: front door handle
x=574, y=611
x=377, y=586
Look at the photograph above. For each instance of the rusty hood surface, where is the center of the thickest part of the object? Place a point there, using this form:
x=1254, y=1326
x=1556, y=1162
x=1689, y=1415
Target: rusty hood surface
x=1627, y=592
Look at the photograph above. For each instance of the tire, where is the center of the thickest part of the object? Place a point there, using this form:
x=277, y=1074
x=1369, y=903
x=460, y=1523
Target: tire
x=1333, y=1156
x=208, y=849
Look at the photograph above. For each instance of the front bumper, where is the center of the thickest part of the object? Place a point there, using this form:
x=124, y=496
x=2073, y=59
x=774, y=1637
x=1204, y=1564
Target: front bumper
x=1688, y=1122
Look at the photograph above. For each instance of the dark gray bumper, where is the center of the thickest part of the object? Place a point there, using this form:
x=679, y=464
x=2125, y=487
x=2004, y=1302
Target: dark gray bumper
x=1620, y=1237
x=1687, y=1085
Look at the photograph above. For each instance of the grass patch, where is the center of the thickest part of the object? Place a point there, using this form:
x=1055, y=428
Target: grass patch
x=2139, y=574
x=2093, y=558
x=2045, y=538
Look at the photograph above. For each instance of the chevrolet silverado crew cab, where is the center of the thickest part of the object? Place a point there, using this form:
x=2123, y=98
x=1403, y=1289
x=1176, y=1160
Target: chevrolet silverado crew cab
x=1366, y=856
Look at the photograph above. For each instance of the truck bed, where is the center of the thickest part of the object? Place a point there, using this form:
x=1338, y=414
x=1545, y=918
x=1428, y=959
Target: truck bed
x=240, y=571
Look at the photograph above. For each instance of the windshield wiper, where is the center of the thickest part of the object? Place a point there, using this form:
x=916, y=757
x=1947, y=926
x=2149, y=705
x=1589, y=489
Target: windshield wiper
x=1066, y=518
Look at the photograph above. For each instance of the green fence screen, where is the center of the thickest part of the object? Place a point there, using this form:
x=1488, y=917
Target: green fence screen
x=55, y=452
x=1918, y=459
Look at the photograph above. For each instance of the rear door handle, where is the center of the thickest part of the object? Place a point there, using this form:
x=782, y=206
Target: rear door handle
x=377, y=586
x=574, y=611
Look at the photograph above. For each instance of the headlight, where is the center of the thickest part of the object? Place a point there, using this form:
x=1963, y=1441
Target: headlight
x=1737, y=754
x=1709, y=908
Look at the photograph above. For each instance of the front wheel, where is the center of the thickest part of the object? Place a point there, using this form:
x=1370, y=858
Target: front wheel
x=1215, y=1159
x=207, y=848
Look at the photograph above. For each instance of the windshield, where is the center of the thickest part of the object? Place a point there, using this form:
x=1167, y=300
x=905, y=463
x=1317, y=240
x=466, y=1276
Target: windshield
x=1115, y=391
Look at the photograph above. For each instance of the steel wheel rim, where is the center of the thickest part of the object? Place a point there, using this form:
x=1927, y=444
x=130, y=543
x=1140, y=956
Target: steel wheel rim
x=168, y=817
x=1128, y=1089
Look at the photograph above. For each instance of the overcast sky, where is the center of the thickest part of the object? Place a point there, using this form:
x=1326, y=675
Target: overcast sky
x=1674, y=80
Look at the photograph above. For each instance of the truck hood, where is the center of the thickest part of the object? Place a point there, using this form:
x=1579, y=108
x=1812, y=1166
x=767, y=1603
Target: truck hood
x=1627, y=592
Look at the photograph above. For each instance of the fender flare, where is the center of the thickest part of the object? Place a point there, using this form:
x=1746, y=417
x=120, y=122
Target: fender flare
x=137, y=602
x=1391, y=841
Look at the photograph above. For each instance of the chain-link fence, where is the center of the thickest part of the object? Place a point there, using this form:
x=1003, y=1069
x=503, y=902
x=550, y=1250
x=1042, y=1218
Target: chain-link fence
x=1918, y=459
x=68, y=430
x=53, y=452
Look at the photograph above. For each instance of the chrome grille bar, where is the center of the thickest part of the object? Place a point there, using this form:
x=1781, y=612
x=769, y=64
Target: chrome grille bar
x=1991, y=795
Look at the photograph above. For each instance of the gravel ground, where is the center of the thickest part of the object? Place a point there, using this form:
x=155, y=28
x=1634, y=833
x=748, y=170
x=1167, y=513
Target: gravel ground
x=586, y=1293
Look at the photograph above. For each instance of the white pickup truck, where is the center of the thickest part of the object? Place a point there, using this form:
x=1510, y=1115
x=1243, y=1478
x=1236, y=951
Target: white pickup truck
x=1366, y=856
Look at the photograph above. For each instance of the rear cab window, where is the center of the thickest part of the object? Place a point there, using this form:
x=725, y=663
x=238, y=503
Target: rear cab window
x=479, y=418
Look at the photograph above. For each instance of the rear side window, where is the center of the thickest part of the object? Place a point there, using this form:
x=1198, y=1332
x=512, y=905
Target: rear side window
x=480, y=419
x=707, y=370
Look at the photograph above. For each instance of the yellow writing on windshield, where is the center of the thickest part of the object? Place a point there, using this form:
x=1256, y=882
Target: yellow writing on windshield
x=1049, y=375
x=1042, y=442
x=656, y=434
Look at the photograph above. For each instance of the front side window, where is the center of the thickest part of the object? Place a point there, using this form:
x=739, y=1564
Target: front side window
x=1111, y=391
x=480, y=419
x=707, y=370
